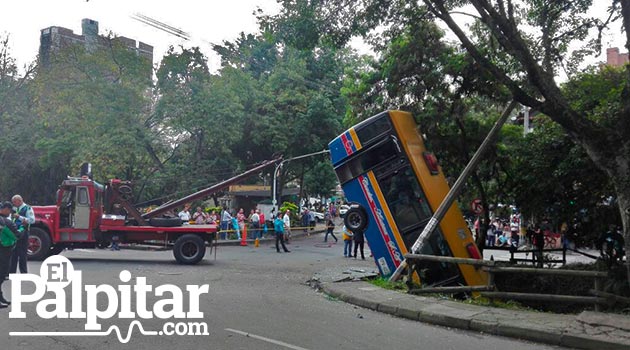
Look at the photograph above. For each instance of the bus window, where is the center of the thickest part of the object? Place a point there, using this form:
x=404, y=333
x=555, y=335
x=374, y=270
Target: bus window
x=370, y=131
x=367, y=160
x=405, y=199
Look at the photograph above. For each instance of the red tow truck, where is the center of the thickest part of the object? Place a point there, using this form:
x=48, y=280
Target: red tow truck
x=88, y=214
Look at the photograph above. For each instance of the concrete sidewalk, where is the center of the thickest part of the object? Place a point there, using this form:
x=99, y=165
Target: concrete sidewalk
x=588, y=330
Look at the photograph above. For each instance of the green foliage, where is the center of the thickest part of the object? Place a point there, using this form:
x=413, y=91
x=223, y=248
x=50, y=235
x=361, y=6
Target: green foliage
x=289, y=206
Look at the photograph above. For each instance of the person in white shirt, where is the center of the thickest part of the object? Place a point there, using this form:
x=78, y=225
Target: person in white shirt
x=255, y=221
x=184, y=215
x=287, y=225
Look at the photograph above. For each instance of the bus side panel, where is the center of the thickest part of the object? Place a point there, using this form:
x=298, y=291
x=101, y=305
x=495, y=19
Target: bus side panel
x=343, y=146
x=453, y=225
x=387, y=254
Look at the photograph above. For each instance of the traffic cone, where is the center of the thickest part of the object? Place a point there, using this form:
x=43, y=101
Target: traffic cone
x=244, y=237
x=256, y=243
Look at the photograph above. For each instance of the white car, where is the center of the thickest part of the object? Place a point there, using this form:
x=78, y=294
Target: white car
x=319, y=217
x=343, y=209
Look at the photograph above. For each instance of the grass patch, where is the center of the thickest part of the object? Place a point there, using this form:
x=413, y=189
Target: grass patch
x=386, y=284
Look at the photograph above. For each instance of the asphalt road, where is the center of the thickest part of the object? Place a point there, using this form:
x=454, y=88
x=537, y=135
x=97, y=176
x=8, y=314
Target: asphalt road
x=258, y=299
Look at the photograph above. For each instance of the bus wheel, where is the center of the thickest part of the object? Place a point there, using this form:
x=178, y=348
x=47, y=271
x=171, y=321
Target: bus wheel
x=38, y=244
x=189, y=249
x=355, y=219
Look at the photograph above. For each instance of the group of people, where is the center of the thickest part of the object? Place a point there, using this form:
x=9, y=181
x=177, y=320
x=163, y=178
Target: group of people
x=254, y=222
x=15, y=220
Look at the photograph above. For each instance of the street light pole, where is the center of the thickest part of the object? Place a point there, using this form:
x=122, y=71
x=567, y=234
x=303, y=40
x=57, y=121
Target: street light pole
x=274, y=200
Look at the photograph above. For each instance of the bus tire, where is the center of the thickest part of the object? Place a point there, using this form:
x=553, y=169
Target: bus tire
x=355, y=219
x=38, y=244
x=189, y=249
x=165, y=222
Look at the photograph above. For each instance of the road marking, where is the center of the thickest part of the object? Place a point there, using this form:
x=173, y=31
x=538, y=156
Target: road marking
x=268, y=340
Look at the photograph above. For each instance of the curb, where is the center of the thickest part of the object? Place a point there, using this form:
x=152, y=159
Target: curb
x=428, y=311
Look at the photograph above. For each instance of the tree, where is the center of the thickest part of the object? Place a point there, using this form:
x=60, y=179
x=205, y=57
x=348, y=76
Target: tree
x=539, y=54
x=92, y=106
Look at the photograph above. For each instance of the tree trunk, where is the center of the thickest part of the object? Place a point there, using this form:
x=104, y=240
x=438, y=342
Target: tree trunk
x=622, y=189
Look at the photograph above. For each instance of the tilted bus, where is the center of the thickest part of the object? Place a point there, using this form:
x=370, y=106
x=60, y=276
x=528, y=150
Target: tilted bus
x=395, y=185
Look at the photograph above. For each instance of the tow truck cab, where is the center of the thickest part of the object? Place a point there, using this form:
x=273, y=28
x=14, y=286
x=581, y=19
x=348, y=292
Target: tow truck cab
x=72, y=222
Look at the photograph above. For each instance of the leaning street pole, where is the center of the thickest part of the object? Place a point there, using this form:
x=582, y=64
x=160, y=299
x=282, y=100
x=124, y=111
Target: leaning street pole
x=276, y=171
x=456, y=189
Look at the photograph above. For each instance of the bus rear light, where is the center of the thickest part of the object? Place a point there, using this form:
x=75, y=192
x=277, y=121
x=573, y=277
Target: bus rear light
x=432, y=163
x=473, y=252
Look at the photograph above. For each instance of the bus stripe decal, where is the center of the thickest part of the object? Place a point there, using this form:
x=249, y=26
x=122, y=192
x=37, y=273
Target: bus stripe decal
x=355, y=139
x=390, y=219
x=377, y=214
x=347, y=144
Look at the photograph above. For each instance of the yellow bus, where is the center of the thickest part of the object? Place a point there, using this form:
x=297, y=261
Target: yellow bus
x=394, y=186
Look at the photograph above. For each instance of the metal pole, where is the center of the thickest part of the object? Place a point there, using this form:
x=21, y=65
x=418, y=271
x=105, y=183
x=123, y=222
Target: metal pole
x=456, y=189
x=274, y=200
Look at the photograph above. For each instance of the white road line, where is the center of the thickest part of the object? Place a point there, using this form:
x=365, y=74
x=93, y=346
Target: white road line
x=268, y=340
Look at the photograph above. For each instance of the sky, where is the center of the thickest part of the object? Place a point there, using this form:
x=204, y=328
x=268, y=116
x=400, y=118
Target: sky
x=207, y=21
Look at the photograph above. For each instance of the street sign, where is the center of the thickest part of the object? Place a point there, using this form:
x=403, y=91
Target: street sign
x=476, y=206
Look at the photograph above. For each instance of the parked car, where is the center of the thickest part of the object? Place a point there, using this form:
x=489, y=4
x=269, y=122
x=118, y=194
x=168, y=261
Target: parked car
x=319, y=217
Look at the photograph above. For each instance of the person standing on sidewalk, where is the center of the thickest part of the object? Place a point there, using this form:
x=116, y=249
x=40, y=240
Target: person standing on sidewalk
x=255, y=221
x=359, y=242
x=539, y=242
x=23, y=217
x=9, y=235
x=287, y=226
x=278, y=226
x=346, y=235
x=330, y=227
x=305, y=221
x=226, y=220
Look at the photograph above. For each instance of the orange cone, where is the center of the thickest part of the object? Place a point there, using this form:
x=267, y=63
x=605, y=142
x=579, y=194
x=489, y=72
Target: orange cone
x=256, y=243
x=244, y=237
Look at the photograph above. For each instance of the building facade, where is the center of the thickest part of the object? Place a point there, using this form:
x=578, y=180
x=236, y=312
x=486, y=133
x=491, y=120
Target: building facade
x=614, y=58
x=53, y=39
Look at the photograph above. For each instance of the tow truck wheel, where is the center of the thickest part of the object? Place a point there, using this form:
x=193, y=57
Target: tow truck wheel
x=38, y=244
x=355, y=219
x=54, y=250
x=189, y=249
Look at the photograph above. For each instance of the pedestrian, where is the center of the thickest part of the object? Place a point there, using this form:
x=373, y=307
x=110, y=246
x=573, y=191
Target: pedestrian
x=212, y=218
x=278, y=226
x=311, y=220
x=236, y=227
x=263, y=223
x=200, y=216
x=255, y=221
x=305, y=221
x=539, y=243
x=330, y=226
x=359, y=242
x=490, y=238
x=226, y=220
x=240, y=218
x=184, y=215
x=346, y=235
x=9, y=235
x=287, y=226
x=24, y=217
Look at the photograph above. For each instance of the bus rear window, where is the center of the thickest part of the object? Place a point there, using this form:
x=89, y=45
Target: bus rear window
x=374, y=129
x=366, y=160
